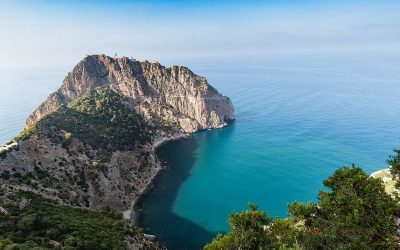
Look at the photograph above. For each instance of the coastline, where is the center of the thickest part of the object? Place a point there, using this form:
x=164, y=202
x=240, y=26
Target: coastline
x=161, y=140
x=129, y=214
x=381, y=171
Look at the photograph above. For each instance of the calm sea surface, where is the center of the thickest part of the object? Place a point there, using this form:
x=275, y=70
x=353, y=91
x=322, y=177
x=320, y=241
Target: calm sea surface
x=297, y=121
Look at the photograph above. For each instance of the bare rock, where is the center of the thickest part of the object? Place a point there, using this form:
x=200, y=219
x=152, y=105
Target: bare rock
x=175, y=95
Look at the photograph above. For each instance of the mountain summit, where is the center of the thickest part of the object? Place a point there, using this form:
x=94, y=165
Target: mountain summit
x=173, y=95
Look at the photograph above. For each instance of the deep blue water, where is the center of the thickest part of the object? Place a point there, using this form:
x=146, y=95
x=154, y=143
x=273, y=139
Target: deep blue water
x=298, y=119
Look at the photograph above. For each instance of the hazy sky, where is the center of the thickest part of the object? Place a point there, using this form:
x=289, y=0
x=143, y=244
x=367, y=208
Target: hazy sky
x=42, y=33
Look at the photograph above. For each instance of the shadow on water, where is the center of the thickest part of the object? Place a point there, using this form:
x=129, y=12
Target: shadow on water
x=154, y=213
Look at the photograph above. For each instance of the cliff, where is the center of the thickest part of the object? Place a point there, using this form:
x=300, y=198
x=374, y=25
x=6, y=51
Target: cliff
x=174, y=95
x=91, y=143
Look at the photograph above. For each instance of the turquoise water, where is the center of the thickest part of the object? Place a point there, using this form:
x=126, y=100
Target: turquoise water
x=298, y=119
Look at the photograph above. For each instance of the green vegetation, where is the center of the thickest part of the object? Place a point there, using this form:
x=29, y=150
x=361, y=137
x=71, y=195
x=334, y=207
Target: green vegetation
x=68, y=136
x=26, y=133
x=38, y=176
x=394, y=161
x=39, y=223
x=252, y=229
x=100, y=119
x=356, y=213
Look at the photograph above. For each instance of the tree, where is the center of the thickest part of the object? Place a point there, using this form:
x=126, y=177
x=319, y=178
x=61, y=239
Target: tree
x=29, y=223
x=247, y=231
x=354, y=213
x=394, y=162
x=252, y=229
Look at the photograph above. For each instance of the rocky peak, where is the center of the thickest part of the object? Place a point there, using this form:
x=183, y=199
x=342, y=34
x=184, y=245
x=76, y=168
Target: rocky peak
x=175, y=95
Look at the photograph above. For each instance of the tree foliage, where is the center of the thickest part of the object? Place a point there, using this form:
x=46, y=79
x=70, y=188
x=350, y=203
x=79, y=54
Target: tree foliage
x=101, y=118
x=394, y=162
x=39, y=222
x=354, y=213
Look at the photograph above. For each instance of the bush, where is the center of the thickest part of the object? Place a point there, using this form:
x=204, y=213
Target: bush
x=29, y=223
x=5, y=175
x=68, y=136
x=3, y=154
x=52, y=233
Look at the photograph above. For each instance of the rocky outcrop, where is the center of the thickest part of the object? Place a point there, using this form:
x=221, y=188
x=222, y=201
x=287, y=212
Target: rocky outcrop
x=175, y=95
x=91, y=143
x=95, y=135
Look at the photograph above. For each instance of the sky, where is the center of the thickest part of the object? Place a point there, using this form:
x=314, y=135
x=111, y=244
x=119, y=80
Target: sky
x=52, y=33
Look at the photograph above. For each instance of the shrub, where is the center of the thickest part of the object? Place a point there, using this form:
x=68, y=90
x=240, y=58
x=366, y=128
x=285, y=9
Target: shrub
x=68, y=136
x=3, y=154
x=5, y=175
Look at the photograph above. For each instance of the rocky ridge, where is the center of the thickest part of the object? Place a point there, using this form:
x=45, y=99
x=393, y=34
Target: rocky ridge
x=175, y=95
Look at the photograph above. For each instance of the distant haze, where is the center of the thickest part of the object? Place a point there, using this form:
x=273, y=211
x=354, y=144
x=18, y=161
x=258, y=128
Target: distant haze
x=44, y=33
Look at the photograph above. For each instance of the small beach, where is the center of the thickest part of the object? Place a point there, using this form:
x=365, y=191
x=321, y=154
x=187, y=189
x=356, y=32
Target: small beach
x=161, y=140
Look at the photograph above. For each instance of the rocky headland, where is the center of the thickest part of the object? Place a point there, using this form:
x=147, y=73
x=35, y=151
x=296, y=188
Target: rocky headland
x=91, y=143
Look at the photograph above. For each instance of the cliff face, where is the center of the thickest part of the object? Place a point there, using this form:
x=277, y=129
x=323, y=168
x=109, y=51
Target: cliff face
x=174, y=95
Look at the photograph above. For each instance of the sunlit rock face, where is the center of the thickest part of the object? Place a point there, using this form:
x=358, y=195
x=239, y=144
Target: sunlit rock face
x=174, y=95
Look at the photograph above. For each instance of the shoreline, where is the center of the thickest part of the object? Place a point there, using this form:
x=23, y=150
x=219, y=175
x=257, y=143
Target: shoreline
x=161, y=140
x=381, y=171
x=388, y=181
x=129, y=214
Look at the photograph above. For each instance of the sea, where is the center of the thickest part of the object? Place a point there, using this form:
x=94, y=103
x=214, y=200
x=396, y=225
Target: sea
x=298, y=119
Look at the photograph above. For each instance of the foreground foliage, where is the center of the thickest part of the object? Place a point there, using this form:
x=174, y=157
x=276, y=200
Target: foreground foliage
x=394, y=162
x=34, y=222
x=355, y=213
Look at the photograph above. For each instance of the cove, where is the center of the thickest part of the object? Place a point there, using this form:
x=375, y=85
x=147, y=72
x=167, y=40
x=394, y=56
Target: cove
x=154, y=213
x=297, y=120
